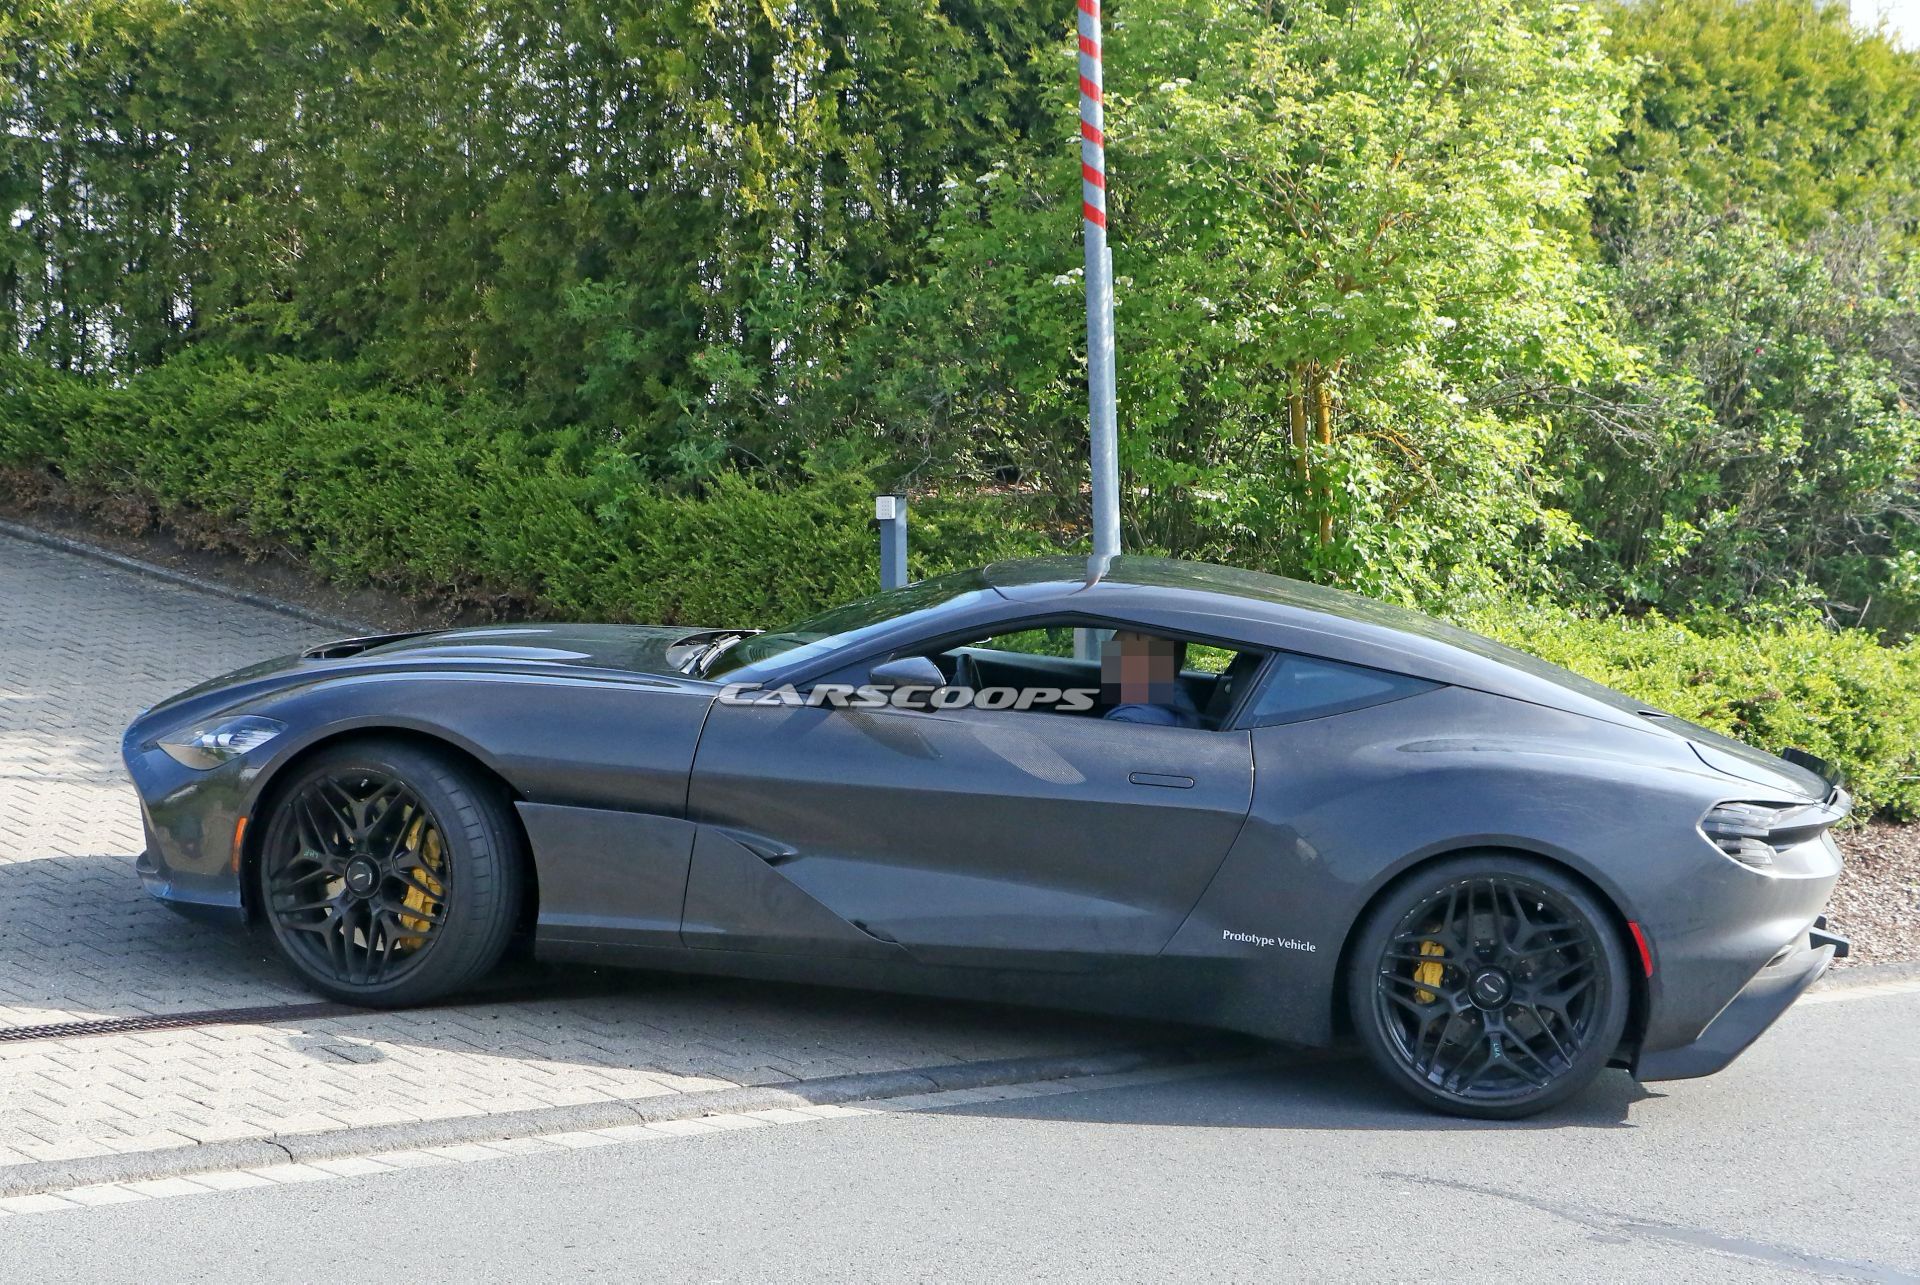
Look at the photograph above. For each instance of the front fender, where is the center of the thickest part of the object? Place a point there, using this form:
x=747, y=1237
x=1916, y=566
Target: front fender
x=620, y=744
x=581, y=742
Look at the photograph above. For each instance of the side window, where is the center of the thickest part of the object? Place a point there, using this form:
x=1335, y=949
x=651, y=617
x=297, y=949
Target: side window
x=1138, y=677
x=1303, y=687
x=1058, y=640
x=1044, y=640
x=1210, y=660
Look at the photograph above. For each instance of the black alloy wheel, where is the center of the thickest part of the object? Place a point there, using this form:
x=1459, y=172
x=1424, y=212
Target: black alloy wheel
x=389, y=875
x=1490, y=987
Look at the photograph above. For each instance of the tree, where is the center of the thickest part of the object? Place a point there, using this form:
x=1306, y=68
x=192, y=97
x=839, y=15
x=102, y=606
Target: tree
x=1780, y=110
x=1341, y=234
x=620, y=216
x=1758, y=217
x=1782, y=442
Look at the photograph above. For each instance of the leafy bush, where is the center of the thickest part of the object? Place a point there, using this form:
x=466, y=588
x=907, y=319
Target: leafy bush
x=419, y=493
x=1835, y=693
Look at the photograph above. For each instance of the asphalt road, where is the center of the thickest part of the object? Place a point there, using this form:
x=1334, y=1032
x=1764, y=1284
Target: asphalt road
x=1797, y=1163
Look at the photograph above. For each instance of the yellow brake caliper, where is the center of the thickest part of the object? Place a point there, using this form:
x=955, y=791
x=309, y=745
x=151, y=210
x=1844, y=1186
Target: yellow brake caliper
x=417, y=899
x=1429, y=974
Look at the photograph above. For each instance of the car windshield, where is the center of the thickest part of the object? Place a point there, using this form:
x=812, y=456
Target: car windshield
x=844, y=625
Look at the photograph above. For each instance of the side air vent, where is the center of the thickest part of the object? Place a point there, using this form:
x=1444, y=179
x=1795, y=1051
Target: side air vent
x=345, y=647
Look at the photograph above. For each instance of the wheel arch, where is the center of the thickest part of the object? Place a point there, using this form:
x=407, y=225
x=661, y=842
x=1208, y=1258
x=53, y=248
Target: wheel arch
x=267, y=790
x=1638, y=994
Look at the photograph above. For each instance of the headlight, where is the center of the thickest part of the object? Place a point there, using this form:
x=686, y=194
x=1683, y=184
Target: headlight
x=207, y=745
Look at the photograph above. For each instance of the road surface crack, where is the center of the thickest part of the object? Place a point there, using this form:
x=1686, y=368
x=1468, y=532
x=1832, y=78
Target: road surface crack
x=1617, y=1226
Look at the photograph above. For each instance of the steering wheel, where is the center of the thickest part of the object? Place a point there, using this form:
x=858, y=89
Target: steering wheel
x=966, y=672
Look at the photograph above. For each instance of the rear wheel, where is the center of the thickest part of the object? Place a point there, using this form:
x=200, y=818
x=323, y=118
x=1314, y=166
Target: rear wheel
x=1489, y=986
x=389, y=875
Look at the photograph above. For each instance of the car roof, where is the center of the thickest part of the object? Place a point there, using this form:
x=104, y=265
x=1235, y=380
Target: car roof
x=1294, y=615
x=1019, y=578
x=1202, y=586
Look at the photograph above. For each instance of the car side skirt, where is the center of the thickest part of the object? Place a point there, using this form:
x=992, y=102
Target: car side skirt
x=1179, y=992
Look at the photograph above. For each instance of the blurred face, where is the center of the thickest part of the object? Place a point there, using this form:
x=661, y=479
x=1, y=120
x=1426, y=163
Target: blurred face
x=1139, y=669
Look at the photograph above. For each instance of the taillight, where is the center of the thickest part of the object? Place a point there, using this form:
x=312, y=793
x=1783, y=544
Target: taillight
x=1742, y=831
x=1754, y=833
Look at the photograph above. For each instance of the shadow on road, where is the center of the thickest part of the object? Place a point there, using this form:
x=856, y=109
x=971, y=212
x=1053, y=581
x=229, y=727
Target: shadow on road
x=1325, y=1092
x=79, y=937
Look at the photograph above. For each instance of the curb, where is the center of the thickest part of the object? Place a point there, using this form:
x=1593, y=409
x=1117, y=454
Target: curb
x=153, y=571
x=1867, y=975
x=336, y=1144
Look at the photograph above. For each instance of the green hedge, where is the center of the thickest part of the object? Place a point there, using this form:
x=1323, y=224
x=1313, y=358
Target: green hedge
x=402, y=489
x=1836, y=693
x=460, y=501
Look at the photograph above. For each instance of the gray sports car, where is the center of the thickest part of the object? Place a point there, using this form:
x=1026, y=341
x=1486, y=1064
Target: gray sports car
x=1151, y=788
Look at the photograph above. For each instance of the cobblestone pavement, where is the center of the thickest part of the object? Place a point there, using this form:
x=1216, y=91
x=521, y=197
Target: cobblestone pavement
x=83, y=647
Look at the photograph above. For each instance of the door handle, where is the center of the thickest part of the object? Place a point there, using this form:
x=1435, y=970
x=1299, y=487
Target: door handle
x=1161, y=779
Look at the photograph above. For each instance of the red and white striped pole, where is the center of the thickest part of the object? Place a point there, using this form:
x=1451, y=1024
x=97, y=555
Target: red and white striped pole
x=1093, y=214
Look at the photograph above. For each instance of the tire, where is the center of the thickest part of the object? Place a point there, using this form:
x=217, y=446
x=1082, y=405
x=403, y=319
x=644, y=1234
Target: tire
x=389, y=875
x=1488, y=986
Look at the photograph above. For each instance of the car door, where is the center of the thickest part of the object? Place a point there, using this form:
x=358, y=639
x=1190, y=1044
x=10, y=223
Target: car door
x=959, y=837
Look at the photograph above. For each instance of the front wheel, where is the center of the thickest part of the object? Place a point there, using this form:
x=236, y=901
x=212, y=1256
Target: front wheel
x=389, y=875
x=1489, y=986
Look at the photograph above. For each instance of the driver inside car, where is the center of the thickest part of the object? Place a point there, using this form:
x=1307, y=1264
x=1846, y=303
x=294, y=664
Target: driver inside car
x=1140, y=675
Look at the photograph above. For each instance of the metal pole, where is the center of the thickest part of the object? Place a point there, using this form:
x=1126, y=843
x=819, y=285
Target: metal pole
x=890, y=519
x=1093, y=215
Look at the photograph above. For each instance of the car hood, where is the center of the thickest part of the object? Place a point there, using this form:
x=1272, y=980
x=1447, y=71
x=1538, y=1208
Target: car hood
x=642, y=649
x=636, y=649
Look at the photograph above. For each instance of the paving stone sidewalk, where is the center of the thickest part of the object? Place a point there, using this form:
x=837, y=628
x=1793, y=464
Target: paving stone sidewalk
x=83, y=647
